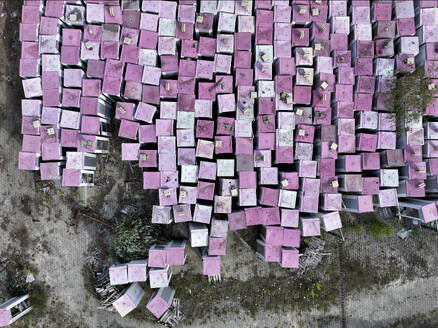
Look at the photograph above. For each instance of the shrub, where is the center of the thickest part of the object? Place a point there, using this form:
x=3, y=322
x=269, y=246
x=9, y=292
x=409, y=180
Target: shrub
x=409, y=94
x=380, y=229
x=134, y=237
x=38, y=298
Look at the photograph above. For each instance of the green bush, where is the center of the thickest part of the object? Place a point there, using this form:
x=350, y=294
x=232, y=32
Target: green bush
x=379, y=229
x=355, y=227
x=38, y=298
x=410, y=94
x=134, y=237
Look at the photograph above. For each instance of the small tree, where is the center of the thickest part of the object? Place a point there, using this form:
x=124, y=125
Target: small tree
x=409, y=94
x=135, y=236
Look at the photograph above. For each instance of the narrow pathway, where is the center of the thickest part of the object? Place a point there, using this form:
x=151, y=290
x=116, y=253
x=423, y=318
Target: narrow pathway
x=342, y=284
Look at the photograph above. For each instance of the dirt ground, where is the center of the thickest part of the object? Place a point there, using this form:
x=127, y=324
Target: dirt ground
x=388, y=282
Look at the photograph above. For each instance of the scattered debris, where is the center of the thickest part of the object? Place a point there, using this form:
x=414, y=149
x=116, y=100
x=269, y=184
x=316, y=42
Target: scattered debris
x=404, y=234
x=313, y=255
x=173, y=316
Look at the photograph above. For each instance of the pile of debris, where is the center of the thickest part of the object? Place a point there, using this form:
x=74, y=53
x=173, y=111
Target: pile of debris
x=173, y=316
x=312, y=255
x=106, y=293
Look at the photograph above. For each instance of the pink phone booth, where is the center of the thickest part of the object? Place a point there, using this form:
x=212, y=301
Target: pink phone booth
x=207, y=46
x=388, y=197
x=237, y=220
x=219, y=228
x=54, y=9
x=366, y=84
x=301, y=13
x=385, y=48
x=392, y=158
x=305, y=76
x=69, y=138
x=189, y=48
x=282, y=32
x=224, y=83
x=330, y=221
x=345, y=75
x=186, y=13
x=269, y=196
x=412, y=188
x=370, y=186
x=182, y=213
x=339, y=42
x=300, y=37
x=289, y=218
x=28, y=32
x=307, y=169
x=284, y=154
x=284, y=65
x=147, y=158
x=211, y=265
x=217, y=246
x=28, y=161
x=187, y=68
x=310, y=227
x=406, y=26
x=363, y=101
x=206, y=26
x=222, y=204
x=266, y=141
x=96, y=68
x=272, y=235
x=337, y=8
x=225, y=43
x=341, y=24
x=304, y=57
x=223, y=145
x=51, y=151
x=384, y=66
x=268, y=252
x=146, y=134
x=303, y=151
x=302, y=95
x=167, y=196
x=370, y=161
x=367, y=142
x=157, y=256
x=244, y=162
x=202, y=213
x=31, y=144
x=151, y=180
x=386, y=140
x=289, y=258
x=350, y=183
x=363, y=66
x=166, y=45
x=382, y=11
x=405, y=63
x=319, y=12
x=358, y=204
x=329, y=184
x=128, y=129
x=187, y=195
x=50, y=171
x=206, y=190
x=331, y=202
x=29, y=68
x=385, y=29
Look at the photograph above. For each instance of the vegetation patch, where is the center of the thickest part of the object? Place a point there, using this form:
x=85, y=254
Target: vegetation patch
x=134, y=237
x=354, y=228
x=410, y=93
x=379, y=229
